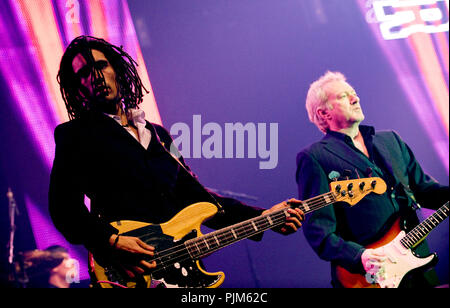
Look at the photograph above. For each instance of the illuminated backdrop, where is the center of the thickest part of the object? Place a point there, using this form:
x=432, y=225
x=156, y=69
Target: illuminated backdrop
x=34, y=36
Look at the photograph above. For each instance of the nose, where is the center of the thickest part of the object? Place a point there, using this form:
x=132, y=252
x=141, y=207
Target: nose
x=354, y=98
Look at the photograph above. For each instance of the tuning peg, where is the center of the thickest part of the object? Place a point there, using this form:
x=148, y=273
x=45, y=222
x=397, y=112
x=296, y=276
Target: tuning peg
x=347, y=173
x=334, y=175
x=373, y=184
x=361, y=185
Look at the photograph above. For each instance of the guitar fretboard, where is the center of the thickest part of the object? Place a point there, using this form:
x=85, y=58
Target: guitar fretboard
x=348, y=191
x=417, y=234
x=216, y=240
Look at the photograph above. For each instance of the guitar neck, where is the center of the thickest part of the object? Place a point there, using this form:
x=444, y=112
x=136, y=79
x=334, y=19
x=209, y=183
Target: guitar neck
x=416, y=235
x=204, y=245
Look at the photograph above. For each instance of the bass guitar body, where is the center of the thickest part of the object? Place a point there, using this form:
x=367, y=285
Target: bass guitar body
x=175, y=268
x=179, y=244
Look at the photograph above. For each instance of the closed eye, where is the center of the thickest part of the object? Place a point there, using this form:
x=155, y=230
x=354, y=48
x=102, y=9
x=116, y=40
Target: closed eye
x=347, y=94
x=85, y=71
x=101, y=64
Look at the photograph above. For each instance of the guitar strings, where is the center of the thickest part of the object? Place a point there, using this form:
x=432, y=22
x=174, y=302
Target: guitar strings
x=260, y=223
x=182, y=251
x=424, y=227
x=410, y=239
x=282, y=212
x=312, y=204
x=184, y=254
x=184, y=248
x=278, y=218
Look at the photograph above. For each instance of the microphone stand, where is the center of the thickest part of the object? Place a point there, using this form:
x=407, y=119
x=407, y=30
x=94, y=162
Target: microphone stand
x=12, y=215
x=13, y=211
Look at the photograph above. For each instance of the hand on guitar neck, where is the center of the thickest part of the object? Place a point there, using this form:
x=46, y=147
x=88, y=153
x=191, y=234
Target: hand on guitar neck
x=294, y=216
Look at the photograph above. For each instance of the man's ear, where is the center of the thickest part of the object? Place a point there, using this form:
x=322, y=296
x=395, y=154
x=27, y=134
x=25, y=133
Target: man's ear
x=324, y=113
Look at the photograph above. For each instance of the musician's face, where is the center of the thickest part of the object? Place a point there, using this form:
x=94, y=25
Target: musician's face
x=343, y=109
x=96, y=89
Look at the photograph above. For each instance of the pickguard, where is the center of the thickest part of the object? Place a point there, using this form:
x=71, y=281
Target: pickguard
x=175, y=268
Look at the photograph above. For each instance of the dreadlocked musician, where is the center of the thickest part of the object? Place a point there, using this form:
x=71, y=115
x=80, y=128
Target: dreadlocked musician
x=111, y=154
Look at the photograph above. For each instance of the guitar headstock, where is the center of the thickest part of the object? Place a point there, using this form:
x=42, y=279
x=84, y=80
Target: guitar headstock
x=352, y=191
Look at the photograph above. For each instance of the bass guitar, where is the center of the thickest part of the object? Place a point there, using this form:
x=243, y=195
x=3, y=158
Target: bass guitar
x=401, y=260
x=179, y=244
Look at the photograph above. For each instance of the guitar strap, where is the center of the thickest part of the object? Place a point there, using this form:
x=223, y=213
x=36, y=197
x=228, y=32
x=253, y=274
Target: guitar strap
x=395, y=177
x=175, y=157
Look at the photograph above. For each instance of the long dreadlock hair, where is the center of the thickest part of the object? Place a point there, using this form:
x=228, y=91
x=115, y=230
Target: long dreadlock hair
x=129, y=84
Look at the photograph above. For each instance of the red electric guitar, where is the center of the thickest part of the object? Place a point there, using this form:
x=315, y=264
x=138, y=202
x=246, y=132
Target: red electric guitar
x=401, y=260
